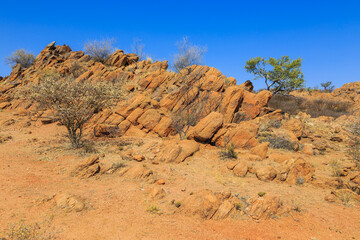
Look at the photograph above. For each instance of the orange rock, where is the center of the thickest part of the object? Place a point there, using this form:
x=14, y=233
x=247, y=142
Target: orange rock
x=160, y=182
x=202, y=204
x=267, y=173
x=295, y=126
x=207, y=127
x=241, y=169
x=300, y=168
x=165, y=127
x=261, y=150
x=150, y=119
x=263, y=207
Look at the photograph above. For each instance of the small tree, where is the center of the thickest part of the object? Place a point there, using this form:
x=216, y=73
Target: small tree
x=22, y=57
x=73, y=102
x=327, y=86
x=281, y=75
x=189, y=54
x=99, y=50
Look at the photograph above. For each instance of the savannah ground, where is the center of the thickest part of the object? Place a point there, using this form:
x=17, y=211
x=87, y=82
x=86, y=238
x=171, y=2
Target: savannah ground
x=36, y=164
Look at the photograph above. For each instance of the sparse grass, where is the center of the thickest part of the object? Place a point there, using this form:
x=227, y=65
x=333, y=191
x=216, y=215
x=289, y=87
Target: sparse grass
x=22, y=231
x=319, y=107
x=89, y=147
x=118, y=165
x=335, y=168
x=345, y=197
x=228, y=152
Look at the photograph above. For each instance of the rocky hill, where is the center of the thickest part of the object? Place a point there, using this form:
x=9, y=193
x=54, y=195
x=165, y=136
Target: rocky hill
x=276, y=155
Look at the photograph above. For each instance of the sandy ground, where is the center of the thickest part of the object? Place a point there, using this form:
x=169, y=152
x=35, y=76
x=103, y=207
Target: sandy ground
x=36, y=164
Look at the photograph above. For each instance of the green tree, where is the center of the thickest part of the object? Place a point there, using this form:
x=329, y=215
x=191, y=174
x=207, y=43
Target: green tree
x=281, y=75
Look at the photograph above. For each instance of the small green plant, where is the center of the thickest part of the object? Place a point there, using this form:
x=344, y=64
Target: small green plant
x=261, y=194
x=300, y=180
x=237, y=206
x=177, y=204
x=153, y=209
x=228, y=152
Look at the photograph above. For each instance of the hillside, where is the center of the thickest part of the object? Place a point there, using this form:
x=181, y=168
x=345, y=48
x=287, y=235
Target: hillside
x=290, y=176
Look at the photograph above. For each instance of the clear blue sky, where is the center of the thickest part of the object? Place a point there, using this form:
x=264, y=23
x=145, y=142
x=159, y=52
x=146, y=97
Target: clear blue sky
x=326, y=34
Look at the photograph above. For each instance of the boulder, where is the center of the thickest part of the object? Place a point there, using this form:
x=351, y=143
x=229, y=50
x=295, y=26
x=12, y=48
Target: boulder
x=295, y=169
x=165, y=127
x=149, y=119
x=267, y=173
x=173, y=151
x=263, y=207
x=202, y=204
x=261, y=150
x=68, y=202
x=207, y=127
x=87, y=168
x=295, y=126
x=241, y=169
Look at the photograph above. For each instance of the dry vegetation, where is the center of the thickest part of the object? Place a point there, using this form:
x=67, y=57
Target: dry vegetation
x=320, y=107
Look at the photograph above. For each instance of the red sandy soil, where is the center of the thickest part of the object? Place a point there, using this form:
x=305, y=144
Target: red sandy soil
x=35, y=165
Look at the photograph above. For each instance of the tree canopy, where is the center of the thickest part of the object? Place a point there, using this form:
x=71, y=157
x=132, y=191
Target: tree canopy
x=281, y=75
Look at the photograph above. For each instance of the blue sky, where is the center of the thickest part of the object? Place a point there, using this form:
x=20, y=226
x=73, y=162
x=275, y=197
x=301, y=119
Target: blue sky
x=326, y=34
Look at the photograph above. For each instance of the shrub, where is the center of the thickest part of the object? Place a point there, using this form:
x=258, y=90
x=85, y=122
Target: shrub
x=300, y=180
x=327, y=87
x=335, y=168
x=153, y=209
x=228, y=152
x=188, y=54
x=354, y=142
x=73, y=102
x=138, y=48
x=261, y=194
x=22, y=57
x=177, y=204
x=277, y=141
x=319, y=107
x=99, y=50
x=22, y=231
